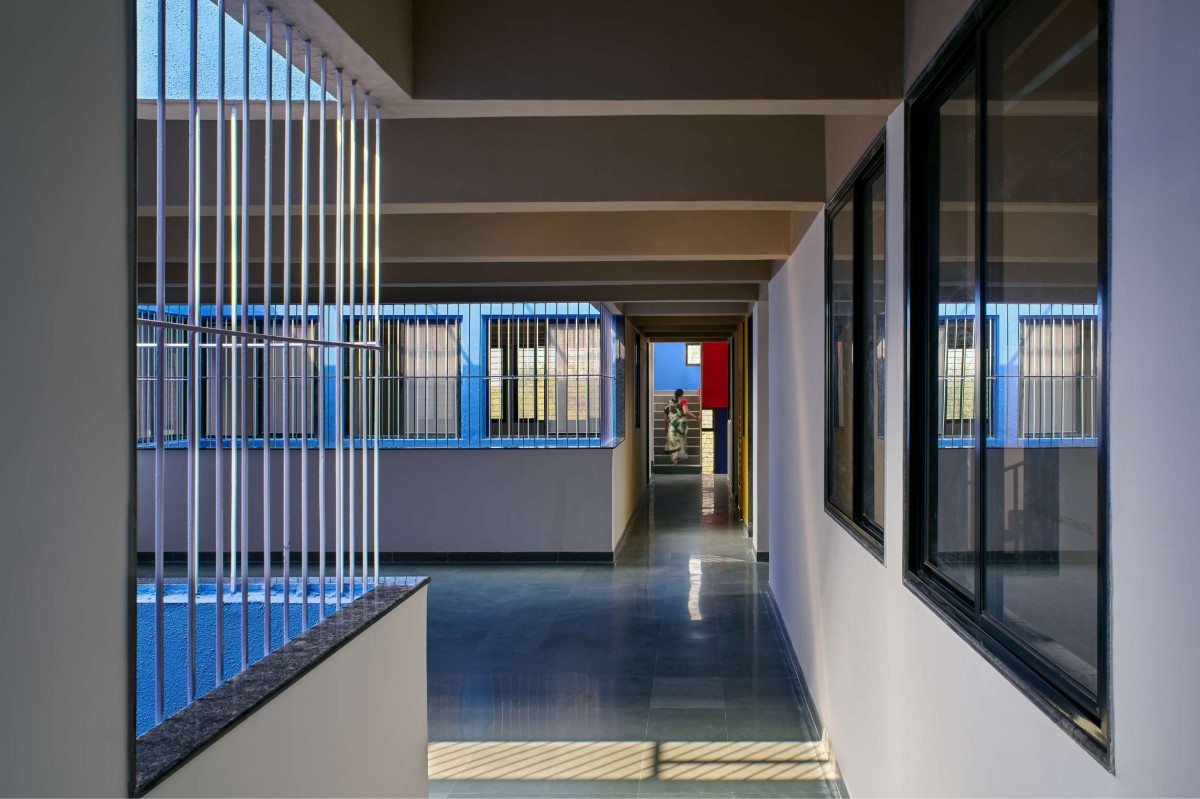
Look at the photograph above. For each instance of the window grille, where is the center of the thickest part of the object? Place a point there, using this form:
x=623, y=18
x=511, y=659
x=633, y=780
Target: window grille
x=419, y=377
x=301, y=376
x=957, y=379
x=544, y=377
x=1058, y=377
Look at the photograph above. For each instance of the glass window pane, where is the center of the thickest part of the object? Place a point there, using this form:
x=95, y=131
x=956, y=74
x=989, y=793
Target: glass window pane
x=1041, y=280
x=841, y=395
x=875, y=351
x=952, y=536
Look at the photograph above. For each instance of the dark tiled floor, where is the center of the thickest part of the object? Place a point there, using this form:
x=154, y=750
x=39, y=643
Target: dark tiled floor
x=565, y=680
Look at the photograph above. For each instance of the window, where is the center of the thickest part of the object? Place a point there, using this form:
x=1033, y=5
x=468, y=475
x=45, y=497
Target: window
x=1007, y=190
x=419, y=378
x=243, y=414
x=693, y=355
x=957, y=379
x=544, y=377
x=857, y=348
x=1059, y=374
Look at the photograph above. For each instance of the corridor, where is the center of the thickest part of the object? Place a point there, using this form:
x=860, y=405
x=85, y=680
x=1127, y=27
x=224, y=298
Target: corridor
x=659, y=676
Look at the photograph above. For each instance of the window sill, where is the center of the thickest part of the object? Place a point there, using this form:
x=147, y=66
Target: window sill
x=1057, y=710
x=870, y=539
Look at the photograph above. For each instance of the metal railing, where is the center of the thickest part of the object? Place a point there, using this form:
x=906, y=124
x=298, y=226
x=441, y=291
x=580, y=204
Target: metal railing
x=210, y=366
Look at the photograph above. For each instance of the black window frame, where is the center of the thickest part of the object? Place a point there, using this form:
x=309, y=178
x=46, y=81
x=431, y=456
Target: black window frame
x=1086, y=719
x=870, y=167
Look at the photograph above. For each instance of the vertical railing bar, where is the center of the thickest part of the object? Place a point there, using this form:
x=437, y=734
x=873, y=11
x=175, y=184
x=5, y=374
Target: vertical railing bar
x=159, y=353
x=1052, y=322
x=192, y=381
x=423, y=371
x=522, y=337
x=286, y=454
x=1033, y=344
x=269, y=134
x=591, y=330
x=1022, y=372
x=486, y=368
x=234, y=418
x=355, y=328
x=218, y=362
x=323, y=320
x=376, y=355
x=306, y=361
x=1040, y=383
x=244, y=477
x=508, y=356
x=1095, y=351
x=340, y=220
x=362, y=355
x=575, y=378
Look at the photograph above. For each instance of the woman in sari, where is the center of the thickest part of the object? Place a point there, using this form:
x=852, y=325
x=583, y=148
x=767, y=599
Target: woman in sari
x=677, y=414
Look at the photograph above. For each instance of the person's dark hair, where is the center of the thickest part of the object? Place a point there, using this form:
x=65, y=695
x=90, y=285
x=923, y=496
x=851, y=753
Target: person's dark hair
x=678, y=393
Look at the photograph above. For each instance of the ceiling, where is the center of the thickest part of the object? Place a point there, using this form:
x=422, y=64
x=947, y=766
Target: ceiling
x=660, y=158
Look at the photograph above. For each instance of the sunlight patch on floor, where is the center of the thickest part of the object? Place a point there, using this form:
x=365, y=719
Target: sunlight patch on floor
x=695, y=761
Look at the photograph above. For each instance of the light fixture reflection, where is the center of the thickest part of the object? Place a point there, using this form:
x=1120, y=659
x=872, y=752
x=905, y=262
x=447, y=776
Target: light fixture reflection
x=694, y=589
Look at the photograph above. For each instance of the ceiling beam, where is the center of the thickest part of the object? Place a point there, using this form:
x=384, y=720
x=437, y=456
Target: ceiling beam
x=607, y=293
x=536, y=273
x=692, y=339
x=545, y=161
x=684, y=323
x=642, y=309
x=552, y=237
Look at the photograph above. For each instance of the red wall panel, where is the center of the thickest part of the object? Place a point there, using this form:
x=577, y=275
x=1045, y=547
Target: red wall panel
x=714, y=375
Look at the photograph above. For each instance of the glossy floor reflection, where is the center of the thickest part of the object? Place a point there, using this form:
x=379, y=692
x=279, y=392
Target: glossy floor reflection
x=659, y=676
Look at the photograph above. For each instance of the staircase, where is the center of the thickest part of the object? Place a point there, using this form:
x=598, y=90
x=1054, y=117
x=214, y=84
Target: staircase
x=662, y=461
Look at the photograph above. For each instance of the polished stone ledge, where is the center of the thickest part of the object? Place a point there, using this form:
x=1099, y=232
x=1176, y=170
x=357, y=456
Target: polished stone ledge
x=163, y=749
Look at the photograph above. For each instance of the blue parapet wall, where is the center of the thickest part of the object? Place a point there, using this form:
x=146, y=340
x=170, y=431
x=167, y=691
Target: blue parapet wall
x=671, y=370
x=175, y=632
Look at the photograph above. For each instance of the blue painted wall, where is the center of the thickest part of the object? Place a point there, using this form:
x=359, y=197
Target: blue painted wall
x=671, y=370
x=720, y=440
x=175, y=637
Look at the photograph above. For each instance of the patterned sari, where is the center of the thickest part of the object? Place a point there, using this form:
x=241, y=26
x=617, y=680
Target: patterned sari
x=676, y=429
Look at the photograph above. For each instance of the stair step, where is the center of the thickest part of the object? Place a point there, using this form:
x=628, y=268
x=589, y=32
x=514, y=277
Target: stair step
x=690, y=468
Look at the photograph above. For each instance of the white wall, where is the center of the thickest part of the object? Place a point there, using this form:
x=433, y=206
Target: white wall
x=1155, y=286
x=65, y=414
x=761, y=422
x=353, y=726
x=453, y=500
x=911, y=708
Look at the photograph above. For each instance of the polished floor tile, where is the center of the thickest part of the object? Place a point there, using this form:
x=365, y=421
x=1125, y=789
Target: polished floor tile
x=661, y=675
